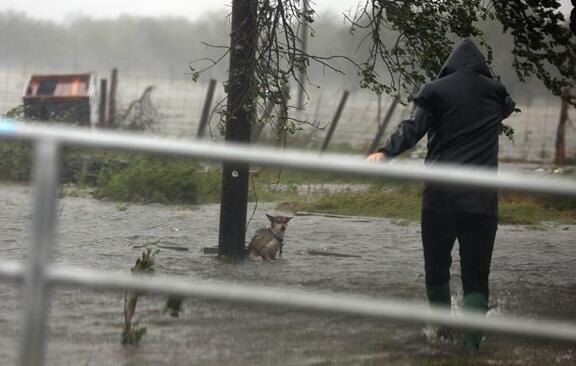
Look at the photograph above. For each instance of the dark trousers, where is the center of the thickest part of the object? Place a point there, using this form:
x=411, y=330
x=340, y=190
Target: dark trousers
x=475, y=234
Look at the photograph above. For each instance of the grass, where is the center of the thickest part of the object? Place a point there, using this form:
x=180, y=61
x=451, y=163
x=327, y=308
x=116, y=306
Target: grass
x=143, y=178
x=164, y=180
x=527, y=209
x=283, y=176
x=384, y=201
x=404, y=203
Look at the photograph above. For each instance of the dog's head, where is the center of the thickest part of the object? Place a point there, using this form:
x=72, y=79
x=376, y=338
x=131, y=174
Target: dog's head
x=278, y=223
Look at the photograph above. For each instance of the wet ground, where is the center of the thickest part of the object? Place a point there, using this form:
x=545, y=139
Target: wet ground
x=533, y=276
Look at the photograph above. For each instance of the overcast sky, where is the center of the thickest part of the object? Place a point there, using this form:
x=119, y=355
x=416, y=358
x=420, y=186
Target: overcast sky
x=59, y=10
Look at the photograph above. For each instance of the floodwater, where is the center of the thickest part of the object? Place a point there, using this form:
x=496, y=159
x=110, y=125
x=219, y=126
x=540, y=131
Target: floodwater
x=533, y=277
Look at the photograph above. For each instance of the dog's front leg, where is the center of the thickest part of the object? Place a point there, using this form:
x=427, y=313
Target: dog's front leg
x=265, y=255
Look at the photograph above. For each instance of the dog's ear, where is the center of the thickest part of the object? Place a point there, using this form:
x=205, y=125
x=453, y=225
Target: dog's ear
x=271, y=218
x=287, y=218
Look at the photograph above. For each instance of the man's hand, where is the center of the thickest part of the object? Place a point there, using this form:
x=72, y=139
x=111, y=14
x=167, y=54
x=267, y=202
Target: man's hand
x=376, y=157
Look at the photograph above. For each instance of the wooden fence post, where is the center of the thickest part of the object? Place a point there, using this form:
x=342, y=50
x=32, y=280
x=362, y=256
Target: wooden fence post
x=112, y=99
x=102, y=104
x=382, y=126
x=315, y=123
x=335, y=121
x=206, y=110
x=560, y=153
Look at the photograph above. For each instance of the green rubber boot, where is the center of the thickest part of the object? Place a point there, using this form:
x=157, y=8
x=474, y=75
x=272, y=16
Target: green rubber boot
x=439, y=295
x=474, y=303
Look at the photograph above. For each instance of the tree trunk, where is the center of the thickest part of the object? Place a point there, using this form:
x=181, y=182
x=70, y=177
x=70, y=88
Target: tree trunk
x=240, y=110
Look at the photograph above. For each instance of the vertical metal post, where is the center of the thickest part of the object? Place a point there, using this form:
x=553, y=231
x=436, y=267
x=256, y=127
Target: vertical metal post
x=334, y=121
x=206, y=110
x=36, y=287
x=304, y=48
x=240, y=111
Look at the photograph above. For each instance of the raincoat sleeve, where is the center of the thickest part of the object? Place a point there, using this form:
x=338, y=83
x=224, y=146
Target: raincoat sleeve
x=509, y=105
x=411, y=130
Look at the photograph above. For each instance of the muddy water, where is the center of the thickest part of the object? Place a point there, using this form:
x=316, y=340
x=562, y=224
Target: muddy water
x=533, y=276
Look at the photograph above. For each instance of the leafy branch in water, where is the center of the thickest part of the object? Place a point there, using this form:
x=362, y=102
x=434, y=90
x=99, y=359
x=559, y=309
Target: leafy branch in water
x=131, y=333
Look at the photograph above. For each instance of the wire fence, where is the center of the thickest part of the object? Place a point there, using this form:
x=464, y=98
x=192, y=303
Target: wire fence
x=179, y=102
x=40, y=274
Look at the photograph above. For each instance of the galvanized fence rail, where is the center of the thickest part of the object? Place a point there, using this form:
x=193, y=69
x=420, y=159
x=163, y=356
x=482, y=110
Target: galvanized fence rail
x=39, y=274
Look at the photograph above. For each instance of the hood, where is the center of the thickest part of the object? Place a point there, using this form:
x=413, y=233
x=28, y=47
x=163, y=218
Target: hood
x=465, y=56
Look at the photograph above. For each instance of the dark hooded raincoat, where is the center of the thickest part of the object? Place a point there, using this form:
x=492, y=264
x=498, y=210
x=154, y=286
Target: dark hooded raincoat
x=460, y=111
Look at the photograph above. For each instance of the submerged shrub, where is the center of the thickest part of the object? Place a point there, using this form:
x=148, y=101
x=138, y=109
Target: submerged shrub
x=77, y=166
x=119, y=176
x=131, y=333
x=150, y=179
x=16, y=161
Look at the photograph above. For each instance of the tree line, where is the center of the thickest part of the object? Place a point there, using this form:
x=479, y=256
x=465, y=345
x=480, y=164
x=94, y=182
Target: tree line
x=167, y=46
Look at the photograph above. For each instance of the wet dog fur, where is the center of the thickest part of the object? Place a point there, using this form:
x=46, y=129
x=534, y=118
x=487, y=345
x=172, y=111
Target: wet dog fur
x=267, y=243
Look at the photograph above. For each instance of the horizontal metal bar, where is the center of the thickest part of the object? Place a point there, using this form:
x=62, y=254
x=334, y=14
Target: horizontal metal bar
x=12, y=271
x=444, y=174
x=352, y=305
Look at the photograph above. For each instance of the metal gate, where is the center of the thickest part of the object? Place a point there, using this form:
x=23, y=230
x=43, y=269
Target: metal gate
x=39, y=274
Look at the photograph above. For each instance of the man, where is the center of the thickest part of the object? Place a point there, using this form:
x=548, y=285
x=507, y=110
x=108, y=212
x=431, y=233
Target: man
x=461, y=111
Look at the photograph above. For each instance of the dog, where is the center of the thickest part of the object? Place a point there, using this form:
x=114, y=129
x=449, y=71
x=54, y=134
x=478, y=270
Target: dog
x=267, y=243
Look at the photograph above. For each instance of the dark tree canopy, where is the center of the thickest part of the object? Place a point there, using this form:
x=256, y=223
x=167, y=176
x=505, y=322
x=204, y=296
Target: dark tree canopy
x=404, y=43
x=424, y=32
